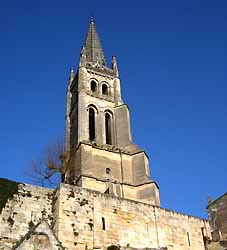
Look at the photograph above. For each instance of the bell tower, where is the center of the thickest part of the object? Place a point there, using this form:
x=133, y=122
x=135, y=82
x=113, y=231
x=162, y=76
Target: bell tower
x=103, y=156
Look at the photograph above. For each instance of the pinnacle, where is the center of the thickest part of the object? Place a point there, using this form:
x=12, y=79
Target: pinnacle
x=92, y=19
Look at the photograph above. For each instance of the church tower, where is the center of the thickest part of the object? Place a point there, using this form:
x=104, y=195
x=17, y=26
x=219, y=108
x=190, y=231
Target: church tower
x=107, y=200
x=103, y=156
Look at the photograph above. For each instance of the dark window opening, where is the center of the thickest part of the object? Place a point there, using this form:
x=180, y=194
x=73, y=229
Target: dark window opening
x=91, y=124
x=93, y=86
x=104, y=89
x=108, y=129
x=189, y=243
x=204, y=237
x=103, y=224
x=91, y=225
x=203, y=231
x=108, y=171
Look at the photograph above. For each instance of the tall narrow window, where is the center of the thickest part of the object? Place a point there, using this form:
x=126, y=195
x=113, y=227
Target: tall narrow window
x=104, y=89
x=108, y=128
x=189, y=242
x=93, y=86
x=204, y=237
x=91, y=124
x=103, y=224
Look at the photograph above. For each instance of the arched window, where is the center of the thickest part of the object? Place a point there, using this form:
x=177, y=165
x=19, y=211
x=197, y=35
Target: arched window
x=93, y=86
x=104, y=89
x=108, y=128
x=91, y=124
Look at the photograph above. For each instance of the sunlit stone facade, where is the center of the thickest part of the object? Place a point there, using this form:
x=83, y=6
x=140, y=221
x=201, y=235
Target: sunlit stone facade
x=107, y=199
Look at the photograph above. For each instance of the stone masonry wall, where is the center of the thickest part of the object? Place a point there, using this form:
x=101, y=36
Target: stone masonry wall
x=86, y=219
x=22, y=211
x=217, y=212
x=89, y=219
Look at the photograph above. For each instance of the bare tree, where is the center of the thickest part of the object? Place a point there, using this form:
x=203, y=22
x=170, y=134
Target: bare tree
x=51, y=167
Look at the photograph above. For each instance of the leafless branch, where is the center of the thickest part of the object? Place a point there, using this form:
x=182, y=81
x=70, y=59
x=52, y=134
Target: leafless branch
x=53, y=162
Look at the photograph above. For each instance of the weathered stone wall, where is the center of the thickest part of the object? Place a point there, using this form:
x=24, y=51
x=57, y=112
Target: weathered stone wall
x=22, y=211
x=127, y=176
x=40, y=237
x=217, y=212
x=89, y=219
x=86, y=219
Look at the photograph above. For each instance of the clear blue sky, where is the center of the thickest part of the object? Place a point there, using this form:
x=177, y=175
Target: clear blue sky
x=172, y=59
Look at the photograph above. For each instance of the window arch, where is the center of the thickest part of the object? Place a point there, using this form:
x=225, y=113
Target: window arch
x=91, y=117
x=108, y=128
x=93, y=86
x=105, y=90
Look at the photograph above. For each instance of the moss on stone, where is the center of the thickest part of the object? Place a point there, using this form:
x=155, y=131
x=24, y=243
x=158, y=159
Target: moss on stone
x=7, y=190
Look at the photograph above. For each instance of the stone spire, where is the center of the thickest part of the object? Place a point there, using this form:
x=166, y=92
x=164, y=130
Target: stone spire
x=92, y=47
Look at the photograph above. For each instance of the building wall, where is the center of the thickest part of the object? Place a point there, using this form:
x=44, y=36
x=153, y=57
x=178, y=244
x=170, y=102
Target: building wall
x=22, y=211
x=86, y=219
x=89, y=219
x=129, y=174
x=42, y=238
x=94, y=160
x=217, y=214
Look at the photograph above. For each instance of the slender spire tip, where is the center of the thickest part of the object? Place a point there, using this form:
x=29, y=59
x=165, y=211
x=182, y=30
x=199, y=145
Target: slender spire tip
x=92, y=19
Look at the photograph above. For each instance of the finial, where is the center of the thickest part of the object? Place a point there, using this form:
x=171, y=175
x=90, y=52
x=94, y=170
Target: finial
x=92, y=19
x=82, y=50
x=82, y=62
x=114, y=66
x=71, y=76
